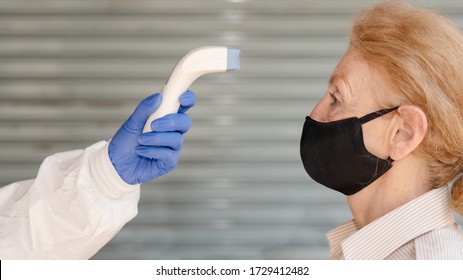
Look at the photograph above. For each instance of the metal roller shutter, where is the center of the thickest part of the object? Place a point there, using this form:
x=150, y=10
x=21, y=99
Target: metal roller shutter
x=71, y=71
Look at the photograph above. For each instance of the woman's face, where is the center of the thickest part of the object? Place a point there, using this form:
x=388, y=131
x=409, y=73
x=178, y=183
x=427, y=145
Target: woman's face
x=353, y=91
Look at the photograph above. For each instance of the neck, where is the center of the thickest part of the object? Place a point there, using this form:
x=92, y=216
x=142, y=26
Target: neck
x=405, y=181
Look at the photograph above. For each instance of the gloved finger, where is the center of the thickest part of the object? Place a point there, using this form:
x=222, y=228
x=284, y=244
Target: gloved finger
x=168, y=156
x=172, y=140
x=187, y=100
x=172, y=122
x=137, y=120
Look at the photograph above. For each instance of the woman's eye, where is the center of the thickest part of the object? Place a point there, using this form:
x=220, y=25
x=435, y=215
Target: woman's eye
x=334, y=100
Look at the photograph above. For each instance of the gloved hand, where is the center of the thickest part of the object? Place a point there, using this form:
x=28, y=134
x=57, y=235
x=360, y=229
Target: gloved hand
x=140, y=157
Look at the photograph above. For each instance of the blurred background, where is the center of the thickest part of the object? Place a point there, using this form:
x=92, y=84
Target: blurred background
x=71, y=72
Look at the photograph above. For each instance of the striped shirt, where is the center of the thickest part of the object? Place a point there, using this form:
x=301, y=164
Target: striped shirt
x=424, y=228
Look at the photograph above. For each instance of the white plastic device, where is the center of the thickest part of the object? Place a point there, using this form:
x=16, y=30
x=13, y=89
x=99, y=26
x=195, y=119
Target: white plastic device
x=197, y=62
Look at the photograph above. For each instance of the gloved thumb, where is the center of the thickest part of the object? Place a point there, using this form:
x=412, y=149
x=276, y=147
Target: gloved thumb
x=148, y=106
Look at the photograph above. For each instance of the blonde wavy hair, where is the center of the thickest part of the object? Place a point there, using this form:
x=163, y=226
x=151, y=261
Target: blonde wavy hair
x=420, y=52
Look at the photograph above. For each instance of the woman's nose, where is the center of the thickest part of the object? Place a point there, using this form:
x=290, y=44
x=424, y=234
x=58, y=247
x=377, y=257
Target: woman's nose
x=319, y=111
x=314, y=114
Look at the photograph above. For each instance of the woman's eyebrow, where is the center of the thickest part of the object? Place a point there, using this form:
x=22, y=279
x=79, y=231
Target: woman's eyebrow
x=333, y=79
x=339, y=78
x=336, y=79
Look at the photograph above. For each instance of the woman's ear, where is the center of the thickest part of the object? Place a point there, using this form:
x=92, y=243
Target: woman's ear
x=410, y=129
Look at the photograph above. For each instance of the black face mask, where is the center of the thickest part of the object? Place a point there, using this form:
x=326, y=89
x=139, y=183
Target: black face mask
x=335, y=155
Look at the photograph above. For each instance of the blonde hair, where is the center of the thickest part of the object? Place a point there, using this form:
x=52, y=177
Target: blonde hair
x=421, y=55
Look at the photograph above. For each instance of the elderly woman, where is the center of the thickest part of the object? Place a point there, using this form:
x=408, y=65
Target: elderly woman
x=400, y=167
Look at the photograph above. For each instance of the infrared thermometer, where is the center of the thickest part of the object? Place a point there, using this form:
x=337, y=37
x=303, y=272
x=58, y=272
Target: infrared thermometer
x=197, y=62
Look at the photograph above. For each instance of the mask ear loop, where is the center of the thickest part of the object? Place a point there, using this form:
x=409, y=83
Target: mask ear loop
x=374, y=115
x=454, y=179
x=377, y=114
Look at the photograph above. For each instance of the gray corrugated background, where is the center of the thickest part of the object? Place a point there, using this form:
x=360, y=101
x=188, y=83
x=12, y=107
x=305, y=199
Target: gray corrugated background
x=71, y=71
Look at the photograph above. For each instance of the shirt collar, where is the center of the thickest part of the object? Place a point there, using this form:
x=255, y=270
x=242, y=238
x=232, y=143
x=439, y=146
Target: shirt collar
x=337, y=235
x=383, y=236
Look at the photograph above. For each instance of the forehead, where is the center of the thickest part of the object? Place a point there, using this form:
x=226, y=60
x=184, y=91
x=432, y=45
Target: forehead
x=353, y=70
x=360, y=83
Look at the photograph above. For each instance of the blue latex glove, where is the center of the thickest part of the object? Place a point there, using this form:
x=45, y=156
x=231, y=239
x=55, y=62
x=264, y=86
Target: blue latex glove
x=140, y=157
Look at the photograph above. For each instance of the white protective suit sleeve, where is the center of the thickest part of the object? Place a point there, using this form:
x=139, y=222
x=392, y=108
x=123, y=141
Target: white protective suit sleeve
x=71, y=210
